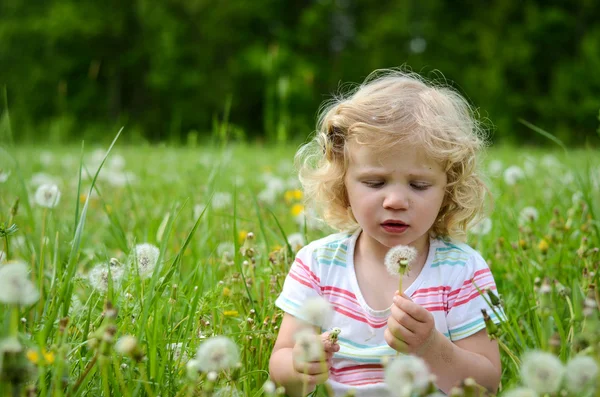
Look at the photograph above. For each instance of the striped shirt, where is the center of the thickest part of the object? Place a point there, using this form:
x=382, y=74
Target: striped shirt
x=447, y=286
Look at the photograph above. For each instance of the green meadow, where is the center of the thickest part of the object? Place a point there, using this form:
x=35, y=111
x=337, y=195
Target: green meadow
x=198, y=206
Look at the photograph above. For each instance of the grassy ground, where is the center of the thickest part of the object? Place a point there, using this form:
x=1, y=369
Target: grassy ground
x=197, y=205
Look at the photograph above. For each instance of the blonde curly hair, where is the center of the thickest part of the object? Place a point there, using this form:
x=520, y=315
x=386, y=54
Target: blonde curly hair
x=393, y=107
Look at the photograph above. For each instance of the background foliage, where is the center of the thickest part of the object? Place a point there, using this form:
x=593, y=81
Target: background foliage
x=168, y=69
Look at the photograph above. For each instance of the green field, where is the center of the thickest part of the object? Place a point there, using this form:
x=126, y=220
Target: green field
x=197, y=205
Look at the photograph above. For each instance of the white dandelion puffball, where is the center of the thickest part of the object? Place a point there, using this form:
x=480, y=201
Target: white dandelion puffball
x=495, y=167
x=4, y=176
x=146, y=256
x=216, y=354
x=192, y=369
x=513, y=174
x=15, y=286
x=520, y=392
x=296, y=241
x=98, y=276
x=528, y=214
x=316, y=311
x=542, y=372
x=308, y=346
x=407, y=375
x=126, y=345
x=222, y=200
x=482, y=227
x=399, y=258
x=581, y=373
x=47, y=196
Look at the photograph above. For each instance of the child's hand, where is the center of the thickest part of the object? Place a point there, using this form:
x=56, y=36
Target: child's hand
x=315, y=372
x=411, y=327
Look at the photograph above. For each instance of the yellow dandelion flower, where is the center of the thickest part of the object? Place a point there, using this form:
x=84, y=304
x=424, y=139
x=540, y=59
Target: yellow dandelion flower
x=288, y=196
x=230, y=313
x=48, y=356
x=298, y=195
x=226, y=292
x=543, y=246
x=32, y=356
x=242, y=235
x=297, y=209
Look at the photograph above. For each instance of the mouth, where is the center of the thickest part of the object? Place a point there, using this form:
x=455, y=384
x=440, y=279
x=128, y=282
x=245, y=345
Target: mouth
x=393, y=226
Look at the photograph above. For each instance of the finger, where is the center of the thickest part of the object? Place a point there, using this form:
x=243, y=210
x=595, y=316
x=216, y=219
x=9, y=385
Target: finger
x=399, y=331
x=311, y=368
x=328, y=344
x=394, y=342
x=314, y=379
x=415, y=310
x=405, y=319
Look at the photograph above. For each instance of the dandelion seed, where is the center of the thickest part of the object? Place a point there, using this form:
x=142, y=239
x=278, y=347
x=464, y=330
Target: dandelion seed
x=528, y=214
x=316, y=311
x=581, y=373
x=99, y=276
x=542, y=372
x=521, y=392
x=513, y=174
x=407, y=375
x=399, y=258
x=216, y=354
x=481, y=228
x=47, y=196
x=15, y=286
x=311, y=347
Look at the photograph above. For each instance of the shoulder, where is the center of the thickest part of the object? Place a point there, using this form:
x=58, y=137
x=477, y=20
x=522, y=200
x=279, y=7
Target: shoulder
x=329, y=249
x=456, y=258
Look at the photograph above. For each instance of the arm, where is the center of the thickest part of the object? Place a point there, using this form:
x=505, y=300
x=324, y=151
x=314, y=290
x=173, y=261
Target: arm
x=411, y=329
x=297, y=378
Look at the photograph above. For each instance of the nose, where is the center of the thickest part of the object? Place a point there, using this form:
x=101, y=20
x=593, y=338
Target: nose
x=396, y=199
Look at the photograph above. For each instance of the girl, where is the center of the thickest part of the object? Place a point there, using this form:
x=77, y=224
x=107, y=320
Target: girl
x=394, y=163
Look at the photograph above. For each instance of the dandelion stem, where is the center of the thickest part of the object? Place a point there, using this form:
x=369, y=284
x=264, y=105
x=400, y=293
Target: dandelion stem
x=509, y=352
x=145, y=380
x=14, y=321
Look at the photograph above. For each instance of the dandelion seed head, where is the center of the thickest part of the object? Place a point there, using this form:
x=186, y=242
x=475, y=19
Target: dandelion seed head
x=580, y=374
x=217, y=353
x=521, y=392
x=15, y=286
x=527, y=215
x=316, y=311
x=192, y=369
x=407, y=375
x=310, y=347
x=542, y=372
x=296, y=241
x=126, y=345
x=98, y=276
x=513, y=174
x=481, y=228
x=399, y=259
x=269, y=387
x=147, y=257
x=47, y=195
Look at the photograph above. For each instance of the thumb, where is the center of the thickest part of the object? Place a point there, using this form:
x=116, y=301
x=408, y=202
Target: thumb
x=328, y=345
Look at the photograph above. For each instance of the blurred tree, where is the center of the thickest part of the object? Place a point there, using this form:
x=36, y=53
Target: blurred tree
x=166, y=67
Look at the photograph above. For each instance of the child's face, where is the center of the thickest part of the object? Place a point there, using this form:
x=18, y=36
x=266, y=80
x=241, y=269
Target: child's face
x=395, y=196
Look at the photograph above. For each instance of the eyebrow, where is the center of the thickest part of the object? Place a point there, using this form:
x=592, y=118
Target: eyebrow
x=375, y=171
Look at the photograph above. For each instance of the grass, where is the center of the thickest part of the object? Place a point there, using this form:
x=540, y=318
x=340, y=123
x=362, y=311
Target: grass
x=189, y=202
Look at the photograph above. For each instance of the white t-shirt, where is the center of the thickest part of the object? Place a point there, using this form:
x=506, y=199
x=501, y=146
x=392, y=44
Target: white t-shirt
x=445, y=287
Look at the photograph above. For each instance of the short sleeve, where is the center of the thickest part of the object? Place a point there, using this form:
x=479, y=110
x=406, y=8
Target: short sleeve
x=301, y=283
x=465, y=300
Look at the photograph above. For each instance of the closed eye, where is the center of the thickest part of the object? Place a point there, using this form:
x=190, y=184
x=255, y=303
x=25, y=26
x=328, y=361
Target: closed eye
x=373, y=184
x=420, y=186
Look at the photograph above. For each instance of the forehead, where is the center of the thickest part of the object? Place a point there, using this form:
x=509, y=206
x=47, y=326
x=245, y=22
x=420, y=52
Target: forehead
x=396, y=157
